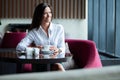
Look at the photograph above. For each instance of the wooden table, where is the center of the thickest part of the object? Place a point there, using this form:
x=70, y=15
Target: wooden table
x=12, y=58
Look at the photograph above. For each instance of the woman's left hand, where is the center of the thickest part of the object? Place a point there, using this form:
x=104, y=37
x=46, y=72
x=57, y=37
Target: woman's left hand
x=56, y=51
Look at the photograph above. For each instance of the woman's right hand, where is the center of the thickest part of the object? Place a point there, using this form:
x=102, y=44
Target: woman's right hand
x=40, y=47
x=41, y=56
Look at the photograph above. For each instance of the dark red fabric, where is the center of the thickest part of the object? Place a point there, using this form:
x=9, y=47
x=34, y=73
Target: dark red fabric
x=10, y=40
x=84, y=53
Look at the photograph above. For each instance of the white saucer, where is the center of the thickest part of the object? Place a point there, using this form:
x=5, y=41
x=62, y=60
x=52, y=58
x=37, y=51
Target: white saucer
x=46, y=52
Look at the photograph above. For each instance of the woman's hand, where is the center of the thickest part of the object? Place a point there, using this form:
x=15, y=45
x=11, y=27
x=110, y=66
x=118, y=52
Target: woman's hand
x=40, y=47
x=52, y=48
x=41, y=56
x=56, y=51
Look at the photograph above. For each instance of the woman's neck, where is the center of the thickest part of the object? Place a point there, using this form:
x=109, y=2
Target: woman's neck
x=45, y=26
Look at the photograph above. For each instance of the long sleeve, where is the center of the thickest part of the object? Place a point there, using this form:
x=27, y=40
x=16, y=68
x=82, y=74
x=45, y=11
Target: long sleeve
x=25, y=42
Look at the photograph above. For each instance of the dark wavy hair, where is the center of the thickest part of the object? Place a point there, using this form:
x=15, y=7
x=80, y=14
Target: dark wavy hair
x=38, y=15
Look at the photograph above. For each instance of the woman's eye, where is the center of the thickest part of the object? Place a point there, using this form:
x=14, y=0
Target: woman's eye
x=48, y=13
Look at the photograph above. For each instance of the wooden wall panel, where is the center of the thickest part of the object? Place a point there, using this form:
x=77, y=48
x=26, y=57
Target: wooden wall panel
x=0, y=8
x=61, y=8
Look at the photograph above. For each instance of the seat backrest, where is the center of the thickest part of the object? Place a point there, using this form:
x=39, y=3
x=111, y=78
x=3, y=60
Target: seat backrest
x=11, y=39
x=84, y=53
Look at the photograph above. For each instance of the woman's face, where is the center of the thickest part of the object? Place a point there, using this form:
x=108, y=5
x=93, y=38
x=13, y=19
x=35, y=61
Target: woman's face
x=47, y=15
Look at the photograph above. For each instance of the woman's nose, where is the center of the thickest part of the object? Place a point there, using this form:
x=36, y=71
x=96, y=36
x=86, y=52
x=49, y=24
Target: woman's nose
x=49, y=14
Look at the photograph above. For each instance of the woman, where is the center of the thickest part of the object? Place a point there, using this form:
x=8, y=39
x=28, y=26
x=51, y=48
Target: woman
x=44, y=32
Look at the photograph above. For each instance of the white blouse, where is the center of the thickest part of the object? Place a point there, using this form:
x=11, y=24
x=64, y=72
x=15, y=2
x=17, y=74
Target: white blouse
x=39, y=37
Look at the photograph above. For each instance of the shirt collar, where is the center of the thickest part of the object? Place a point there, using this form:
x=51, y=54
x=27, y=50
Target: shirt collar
x=50, y=27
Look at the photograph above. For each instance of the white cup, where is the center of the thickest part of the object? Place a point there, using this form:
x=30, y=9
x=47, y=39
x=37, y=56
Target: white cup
x=37, y=51
x=32, y=53
x=46, y=56
x=46, y=47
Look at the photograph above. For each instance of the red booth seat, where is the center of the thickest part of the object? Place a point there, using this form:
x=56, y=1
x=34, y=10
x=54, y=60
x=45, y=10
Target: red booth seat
x=11, y=39
x=85, y=54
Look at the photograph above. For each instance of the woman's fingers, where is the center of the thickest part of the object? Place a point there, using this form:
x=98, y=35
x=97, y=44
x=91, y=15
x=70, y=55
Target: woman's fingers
x=40, y=47
x=41, y=56
x=53, y=48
